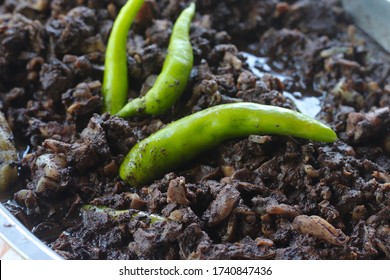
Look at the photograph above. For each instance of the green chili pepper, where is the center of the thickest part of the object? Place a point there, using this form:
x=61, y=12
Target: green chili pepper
x=184, y=139
x=115, y=80
x=175, y=73
x=115, y=214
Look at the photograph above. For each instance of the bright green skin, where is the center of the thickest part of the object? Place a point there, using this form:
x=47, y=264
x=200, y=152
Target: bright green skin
x=115, y=80
x=184, y=139
x=174, y=75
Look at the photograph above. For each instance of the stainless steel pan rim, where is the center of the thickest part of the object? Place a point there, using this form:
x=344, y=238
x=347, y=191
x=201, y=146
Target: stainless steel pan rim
x=21, y=240
x=27, y=246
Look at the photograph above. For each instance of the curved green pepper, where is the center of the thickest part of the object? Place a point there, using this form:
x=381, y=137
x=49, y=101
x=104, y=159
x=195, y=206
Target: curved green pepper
x=182, y=140
x=115, y=80
x=174, y=75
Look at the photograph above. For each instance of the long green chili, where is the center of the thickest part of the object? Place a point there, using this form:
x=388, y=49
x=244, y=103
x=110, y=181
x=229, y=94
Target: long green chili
x=115, y=214
x=115, y=80
x=183, y=140
x=175, y=73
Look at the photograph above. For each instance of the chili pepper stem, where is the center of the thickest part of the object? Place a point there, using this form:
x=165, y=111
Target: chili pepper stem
x=133, y=108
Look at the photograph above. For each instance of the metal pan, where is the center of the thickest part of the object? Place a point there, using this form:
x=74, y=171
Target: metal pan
x=373, y=17
x=17, y=242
